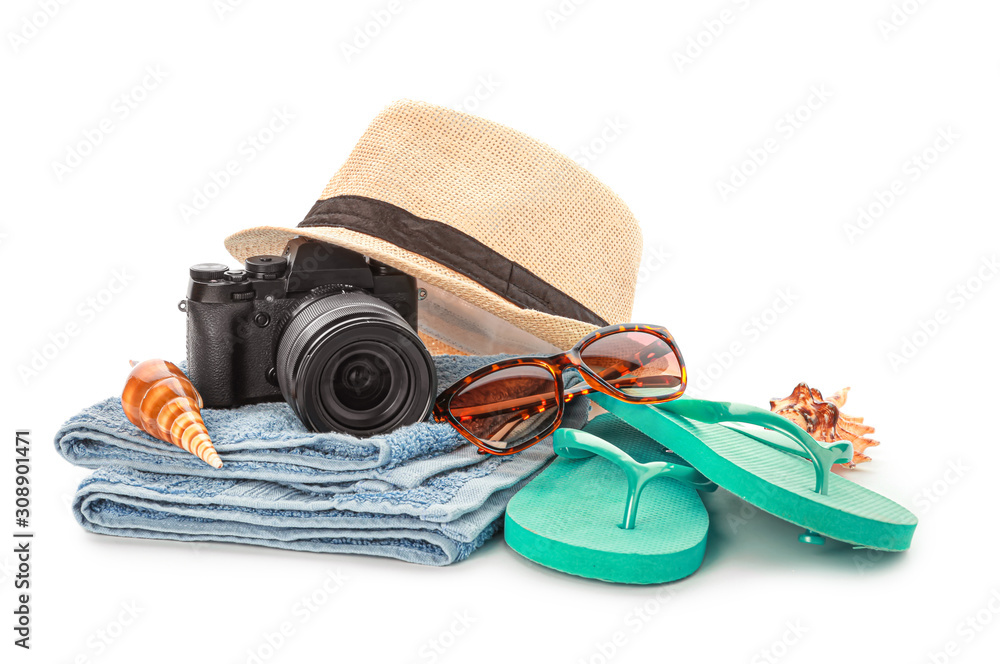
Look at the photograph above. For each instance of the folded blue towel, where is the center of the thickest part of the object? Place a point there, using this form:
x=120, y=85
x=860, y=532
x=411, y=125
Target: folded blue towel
x=420, y=493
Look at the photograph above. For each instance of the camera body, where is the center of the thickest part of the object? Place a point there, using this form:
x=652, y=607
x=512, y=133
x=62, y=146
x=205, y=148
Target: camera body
x=253, y=335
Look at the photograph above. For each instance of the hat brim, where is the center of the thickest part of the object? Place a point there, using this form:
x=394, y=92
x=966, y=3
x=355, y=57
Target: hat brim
x=555, y=330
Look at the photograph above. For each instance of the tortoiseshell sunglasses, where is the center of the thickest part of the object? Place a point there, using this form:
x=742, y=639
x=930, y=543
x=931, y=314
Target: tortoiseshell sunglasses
x=509, y=406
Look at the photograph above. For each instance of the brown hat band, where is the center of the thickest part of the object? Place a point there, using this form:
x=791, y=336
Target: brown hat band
x=450, y=247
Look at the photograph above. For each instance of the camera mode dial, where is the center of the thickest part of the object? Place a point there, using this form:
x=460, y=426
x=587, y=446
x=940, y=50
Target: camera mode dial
x=208, y=271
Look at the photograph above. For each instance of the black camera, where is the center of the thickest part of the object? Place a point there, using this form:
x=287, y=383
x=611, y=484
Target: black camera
x=325, y=328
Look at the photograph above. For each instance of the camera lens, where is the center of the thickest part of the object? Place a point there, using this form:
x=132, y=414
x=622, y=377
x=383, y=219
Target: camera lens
x=349, y=362
x=361, y=381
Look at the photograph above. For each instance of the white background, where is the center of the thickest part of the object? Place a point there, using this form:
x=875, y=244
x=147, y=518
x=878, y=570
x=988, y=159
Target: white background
x=713, y=267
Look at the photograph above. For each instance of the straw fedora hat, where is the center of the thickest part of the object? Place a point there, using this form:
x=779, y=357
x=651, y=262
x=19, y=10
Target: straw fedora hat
x=516, y=247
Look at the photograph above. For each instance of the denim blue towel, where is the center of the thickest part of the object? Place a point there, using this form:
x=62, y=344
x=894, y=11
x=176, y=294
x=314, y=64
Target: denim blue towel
x=420, y=493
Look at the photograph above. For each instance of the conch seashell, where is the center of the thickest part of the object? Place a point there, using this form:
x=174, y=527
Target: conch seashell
x=159, y=399
x=824, y=421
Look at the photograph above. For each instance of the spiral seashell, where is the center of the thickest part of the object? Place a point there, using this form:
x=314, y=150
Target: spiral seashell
x=824, y=420
x=159, y=399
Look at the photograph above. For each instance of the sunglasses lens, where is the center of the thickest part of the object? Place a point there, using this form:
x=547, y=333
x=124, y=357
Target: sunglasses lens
x=637, y=364
x=508, y=407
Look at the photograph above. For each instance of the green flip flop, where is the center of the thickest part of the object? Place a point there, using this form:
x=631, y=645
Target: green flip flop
x=780, y=469
x=569, y=517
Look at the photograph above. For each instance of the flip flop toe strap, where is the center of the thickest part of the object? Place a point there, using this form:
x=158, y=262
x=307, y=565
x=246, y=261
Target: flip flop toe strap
x=823, y=457
x=573, y=444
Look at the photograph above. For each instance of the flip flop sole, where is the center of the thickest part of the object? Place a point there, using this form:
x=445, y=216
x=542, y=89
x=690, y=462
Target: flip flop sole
x=776, y=482
x=568, y=517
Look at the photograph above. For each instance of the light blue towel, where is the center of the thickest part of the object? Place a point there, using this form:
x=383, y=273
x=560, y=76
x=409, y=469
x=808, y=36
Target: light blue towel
x=420, y=493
